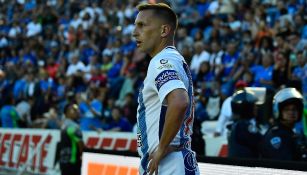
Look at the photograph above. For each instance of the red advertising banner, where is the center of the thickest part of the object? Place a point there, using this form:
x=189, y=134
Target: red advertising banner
x=36, y=148
x=119, y=141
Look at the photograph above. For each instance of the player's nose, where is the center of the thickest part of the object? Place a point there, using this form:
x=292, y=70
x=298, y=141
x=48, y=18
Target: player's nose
x=135, y=33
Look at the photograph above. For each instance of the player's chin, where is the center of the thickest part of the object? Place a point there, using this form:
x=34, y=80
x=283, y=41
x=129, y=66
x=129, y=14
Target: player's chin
x=139, y=44
x=141, y=49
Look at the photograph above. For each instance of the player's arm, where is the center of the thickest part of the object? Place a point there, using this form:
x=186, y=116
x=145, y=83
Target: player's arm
x=177, y=104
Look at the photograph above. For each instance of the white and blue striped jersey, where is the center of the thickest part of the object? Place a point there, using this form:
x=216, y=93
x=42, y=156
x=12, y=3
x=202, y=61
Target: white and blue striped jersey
x=166, y=72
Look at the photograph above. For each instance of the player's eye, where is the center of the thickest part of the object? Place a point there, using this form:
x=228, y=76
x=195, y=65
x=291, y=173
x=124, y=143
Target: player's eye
x=140, y=24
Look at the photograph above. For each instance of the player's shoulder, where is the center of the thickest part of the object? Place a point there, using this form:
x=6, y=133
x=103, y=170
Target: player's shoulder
x=171, y=51
x=167, y=58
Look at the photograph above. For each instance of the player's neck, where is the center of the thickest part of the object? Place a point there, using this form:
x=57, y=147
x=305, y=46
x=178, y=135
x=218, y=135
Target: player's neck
x=161, y=46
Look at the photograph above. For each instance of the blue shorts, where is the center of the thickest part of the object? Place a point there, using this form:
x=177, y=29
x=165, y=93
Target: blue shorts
x=179, y=163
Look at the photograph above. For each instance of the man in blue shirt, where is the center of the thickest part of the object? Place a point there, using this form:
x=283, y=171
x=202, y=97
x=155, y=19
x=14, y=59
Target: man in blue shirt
x=8, y=113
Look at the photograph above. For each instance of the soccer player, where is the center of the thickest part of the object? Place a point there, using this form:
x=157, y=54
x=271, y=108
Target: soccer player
x=165, y=112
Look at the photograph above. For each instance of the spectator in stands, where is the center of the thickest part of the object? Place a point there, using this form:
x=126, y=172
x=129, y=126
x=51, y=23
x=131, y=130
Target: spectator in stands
x=266, y=45
x=299, y=71
x=263, y=31
x=75, y=66
x=263, y=72
x=199, y=56
x=90, y=109
x=130, y=108
x=183, y=40
x=230, y=60
x=78, y=82
x=300, y=25
x=128, y=85
x=215, y=59
x=52, y=67
x=296, y=43
x=233, y=23
x=114, y=71
x=114, y=78
x=298, y=64
x=18, y=86
x=204, y=81
x=4, y=86
x=8, y=113
x=33, y=27
x=106, y=61
x=230, y=63
x=23, y=108
x=93, y=63
x=118, y=122
x=87, y=52
x=52, y=119
x=107, y=112
x=281, y=72
x=96, y=78
x=32, y=89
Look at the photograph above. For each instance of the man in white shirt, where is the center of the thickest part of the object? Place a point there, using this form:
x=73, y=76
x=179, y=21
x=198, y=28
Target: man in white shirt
x=165, y=112
x=75, y=66
x=33, y=28
x=224, y=117
x=200, y=56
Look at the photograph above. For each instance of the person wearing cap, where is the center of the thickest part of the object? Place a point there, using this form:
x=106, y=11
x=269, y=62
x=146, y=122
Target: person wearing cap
x=245, y=134
x=280, y=142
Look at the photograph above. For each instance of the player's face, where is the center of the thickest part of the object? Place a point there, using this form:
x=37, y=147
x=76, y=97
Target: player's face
x=73, y=112
x=147, y=32
x=289, y=114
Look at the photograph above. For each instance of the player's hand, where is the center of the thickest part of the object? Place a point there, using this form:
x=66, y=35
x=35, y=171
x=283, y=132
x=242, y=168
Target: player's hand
x=154, y=160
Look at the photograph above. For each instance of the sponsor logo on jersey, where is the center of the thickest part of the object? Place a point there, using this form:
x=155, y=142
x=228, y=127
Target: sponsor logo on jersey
x=163, y=61
x=139, y=139
x=164, y=77
x=276, y=142
x=165, y=66
x=190, y=162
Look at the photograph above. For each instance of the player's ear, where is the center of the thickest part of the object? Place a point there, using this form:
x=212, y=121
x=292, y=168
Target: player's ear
x=165, y=30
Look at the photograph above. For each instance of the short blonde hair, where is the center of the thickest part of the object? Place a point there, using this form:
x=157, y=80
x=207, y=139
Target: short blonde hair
x=161, y=10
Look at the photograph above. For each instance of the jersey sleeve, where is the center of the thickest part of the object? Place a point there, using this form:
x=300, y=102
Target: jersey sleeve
x=74, y=133
x=166, y=76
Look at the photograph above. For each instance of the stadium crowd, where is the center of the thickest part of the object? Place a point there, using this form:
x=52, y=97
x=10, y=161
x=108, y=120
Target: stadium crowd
x=58, y=51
